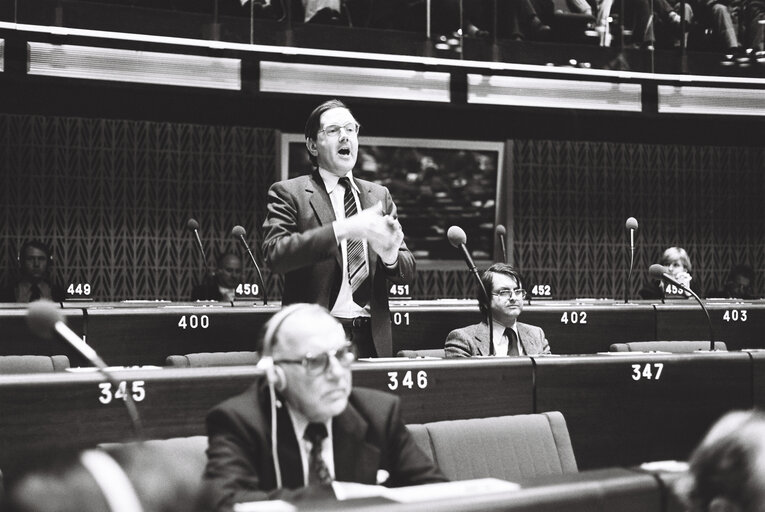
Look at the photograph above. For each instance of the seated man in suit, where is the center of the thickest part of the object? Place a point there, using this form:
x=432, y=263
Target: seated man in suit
x=726, y=472
x=511, y=338
x=221, y=285
x=326, y=430
x=34, y=281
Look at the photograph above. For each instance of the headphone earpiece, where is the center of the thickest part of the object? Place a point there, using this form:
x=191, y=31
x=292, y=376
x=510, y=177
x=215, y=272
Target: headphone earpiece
x=278, y=378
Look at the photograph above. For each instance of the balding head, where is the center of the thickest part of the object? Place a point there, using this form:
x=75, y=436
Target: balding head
x=309, y=347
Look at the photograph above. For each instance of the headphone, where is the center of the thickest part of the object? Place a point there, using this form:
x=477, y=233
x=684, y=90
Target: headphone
x=274, y=373
x=37, y=244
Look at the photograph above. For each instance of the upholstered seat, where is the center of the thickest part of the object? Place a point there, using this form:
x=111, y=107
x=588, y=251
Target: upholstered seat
x=201, y=359
x=665, y=346
x=506, y=447
x=33, y=364
x=426, y=352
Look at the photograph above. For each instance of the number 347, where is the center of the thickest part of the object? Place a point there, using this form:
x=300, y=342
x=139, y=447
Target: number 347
x=647, y=372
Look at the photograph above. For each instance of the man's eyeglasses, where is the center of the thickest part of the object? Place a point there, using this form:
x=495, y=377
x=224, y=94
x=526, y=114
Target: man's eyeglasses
x=333, y=130
x=518, y=293
x=317, y=364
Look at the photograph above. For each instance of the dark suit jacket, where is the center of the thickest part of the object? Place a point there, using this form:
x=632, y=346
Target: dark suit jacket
x=473, y=340
x=368, y=436
x=300, y=243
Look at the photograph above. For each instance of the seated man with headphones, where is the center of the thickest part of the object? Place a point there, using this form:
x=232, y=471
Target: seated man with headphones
x=325, y=430
x=34, y=283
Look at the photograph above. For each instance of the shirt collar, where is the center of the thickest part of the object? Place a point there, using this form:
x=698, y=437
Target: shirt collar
x=331, y=180
x=300, y=422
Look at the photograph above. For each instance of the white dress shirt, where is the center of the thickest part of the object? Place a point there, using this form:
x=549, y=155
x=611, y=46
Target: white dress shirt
x=502, y=342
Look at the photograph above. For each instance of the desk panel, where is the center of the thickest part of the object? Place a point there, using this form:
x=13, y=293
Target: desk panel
x=631, y=408
x=43, y=413
x=146, y=336
x=740, y=325
x=452, y=389
x=426, y=324
x=590, y=328
x=17, y=339
x=758, y=377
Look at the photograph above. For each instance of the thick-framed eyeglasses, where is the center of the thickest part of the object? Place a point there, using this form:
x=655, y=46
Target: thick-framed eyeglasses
x=518, y=293
x=333, y=130
x=316, y=364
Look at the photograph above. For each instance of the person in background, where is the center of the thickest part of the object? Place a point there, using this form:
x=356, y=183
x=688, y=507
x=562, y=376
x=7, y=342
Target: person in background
x=511, y=338
x=326, y=430
x=222, y=284
x=727, y=470
x=34, y=281
x=679, y=264
x=738, y=285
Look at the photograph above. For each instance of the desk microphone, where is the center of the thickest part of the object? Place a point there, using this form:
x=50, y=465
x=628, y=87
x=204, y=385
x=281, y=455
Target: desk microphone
x=458, y=239
x=661, y=272
x=193, y=225
x=44, y=319
x=500, y=231
x=632, y=225
x=239, y=232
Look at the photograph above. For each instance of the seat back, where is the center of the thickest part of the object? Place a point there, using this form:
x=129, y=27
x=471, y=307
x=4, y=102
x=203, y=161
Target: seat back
x=505, y=447
x=665, y=346
x=33, y=364
x=201, y=359
x=426, y=352
x=191, y=450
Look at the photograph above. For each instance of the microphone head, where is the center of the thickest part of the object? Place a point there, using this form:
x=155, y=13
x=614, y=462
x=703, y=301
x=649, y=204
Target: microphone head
x=631, y=223
x=42, y=316
x=192, y=224
x=657, y=271
x=456, y=236
x=500, y=230
x=238, y=231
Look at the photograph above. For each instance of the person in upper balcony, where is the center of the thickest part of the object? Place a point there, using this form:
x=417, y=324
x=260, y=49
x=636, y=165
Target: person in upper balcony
x=679, y=264
x=511, y=338
x=34, y=281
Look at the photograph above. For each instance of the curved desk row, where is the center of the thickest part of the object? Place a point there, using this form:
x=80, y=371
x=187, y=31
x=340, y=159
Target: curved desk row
x=620, y=409
x=131, y=334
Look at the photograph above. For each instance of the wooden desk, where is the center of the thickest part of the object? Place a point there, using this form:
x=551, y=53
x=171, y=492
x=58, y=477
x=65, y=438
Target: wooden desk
x=17, y=339
x=739, y=324
x=630, y=408
x=138, y=335
x=453, y=389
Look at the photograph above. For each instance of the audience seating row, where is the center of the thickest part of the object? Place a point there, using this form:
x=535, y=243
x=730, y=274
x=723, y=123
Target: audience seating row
x=660, y=403
x=128, y=335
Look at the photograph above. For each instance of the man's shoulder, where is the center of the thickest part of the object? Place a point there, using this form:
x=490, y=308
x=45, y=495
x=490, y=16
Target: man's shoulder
x=469, y=330
x=371, y=401
x=246, y=403
x=296, y=182
x=529, y=328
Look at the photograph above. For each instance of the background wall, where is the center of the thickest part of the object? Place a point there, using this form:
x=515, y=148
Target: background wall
x=112, y=197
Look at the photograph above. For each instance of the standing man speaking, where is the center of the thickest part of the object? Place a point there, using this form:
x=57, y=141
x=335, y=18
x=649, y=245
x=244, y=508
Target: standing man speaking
x=336, y=238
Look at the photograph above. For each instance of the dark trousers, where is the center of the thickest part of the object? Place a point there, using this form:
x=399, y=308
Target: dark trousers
x=359, y=332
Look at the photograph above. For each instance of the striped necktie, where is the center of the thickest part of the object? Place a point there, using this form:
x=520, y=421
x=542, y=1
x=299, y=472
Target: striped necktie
x=358, y=270
x=318, y=472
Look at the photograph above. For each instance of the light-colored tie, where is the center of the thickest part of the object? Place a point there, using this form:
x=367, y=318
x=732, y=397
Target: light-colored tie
x=358, y=271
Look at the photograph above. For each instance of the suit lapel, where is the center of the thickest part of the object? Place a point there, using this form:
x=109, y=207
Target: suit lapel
x=525, y=338
x=482, y=339
x=355, y=459
x=322, y=205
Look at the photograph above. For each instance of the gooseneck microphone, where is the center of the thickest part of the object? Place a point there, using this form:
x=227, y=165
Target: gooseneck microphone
x=239, y=232
x=500, y=231
x=661, y=272
x=193, y=225
x=458, y=239
x=44, y=319
x=631, y=225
